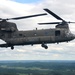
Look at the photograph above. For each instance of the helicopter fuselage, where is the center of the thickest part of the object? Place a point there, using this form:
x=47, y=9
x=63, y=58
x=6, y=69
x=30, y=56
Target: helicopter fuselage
x=38, y=36
x=31, y=37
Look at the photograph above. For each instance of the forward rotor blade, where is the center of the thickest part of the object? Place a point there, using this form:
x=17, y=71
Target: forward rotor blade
x=54, y=23
x=70, y=22
x=0, y=18
x=53, y=14
x=17, y=18
x=49, y=23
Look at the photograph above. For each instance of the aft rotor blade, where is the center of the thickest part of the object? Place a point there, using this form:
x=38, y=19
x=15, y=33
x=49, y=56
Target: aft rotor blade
x=53, y=14
x=49, y=23
x=17, y=18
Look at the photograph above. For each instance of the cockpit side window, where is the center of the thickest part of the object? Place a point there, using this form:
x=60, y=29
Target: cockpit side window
x=57, y=33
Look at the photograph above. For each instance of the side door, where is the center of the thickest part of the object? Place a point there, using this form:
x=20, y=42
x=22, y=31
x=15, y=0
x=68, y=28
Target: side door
x=57, y=35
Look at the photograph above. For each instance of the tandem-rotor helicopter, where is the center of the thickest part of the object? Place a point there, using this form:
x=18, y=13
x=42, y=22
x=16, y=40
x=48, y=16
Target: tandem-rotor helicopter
x=13, y=37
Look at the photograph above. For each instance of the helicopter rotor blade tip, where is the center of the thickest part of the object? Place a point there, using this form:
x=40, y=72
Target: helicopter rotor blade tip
x=53, y=14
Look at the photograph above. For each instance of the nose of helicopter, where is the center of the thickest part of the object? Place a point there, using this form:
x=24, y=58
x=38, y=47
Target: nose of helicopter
x=72, y=36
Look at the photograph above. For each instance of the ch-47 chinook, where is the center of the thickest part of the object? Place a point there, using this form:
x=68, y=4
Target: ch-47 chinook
x=13, y=37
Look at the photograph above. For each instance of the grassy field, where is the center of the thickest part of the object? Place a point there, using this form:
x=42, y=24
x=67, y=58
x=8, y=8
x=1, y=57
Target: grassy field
x=37, y=67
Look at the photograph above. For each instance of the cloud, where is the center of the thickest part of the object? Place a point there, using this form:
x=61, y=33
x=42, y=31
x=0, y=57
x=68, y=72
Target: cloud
x=65, y=9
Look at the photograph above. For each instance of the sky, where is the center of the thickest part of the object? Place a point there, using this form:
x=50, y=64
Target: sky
x=26, y=1
x=16, y=8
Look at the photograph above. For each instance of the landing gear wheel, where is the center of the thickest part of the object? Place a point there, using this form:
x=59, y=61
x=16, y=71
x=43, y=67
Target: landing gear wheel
x=12, y=47
x=44, y=46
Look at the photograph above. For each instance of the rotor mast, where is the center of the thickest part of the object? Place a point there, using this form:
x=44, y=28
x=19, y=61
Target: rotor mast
x=63, y=24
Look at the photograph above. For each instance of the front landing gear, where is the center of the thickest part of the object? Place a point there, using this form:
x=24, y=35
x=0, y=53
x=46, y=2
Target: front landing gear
x=44, y=46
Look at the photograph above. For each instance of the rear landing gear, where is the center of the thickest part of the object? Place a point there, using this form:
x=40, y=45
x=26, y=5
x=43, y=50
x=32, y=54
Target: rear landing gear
x=44, y=46
x=12, y=47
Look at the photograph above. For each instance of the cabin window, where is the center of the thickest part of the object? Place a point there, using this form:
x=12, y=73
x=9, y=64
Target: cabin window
x=57, y=33
x=20, y=34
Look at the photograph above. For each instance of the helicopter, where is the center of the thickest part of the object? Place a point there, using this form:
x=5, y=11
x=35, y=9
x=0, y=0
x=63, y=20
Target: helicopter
x=13, y=37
